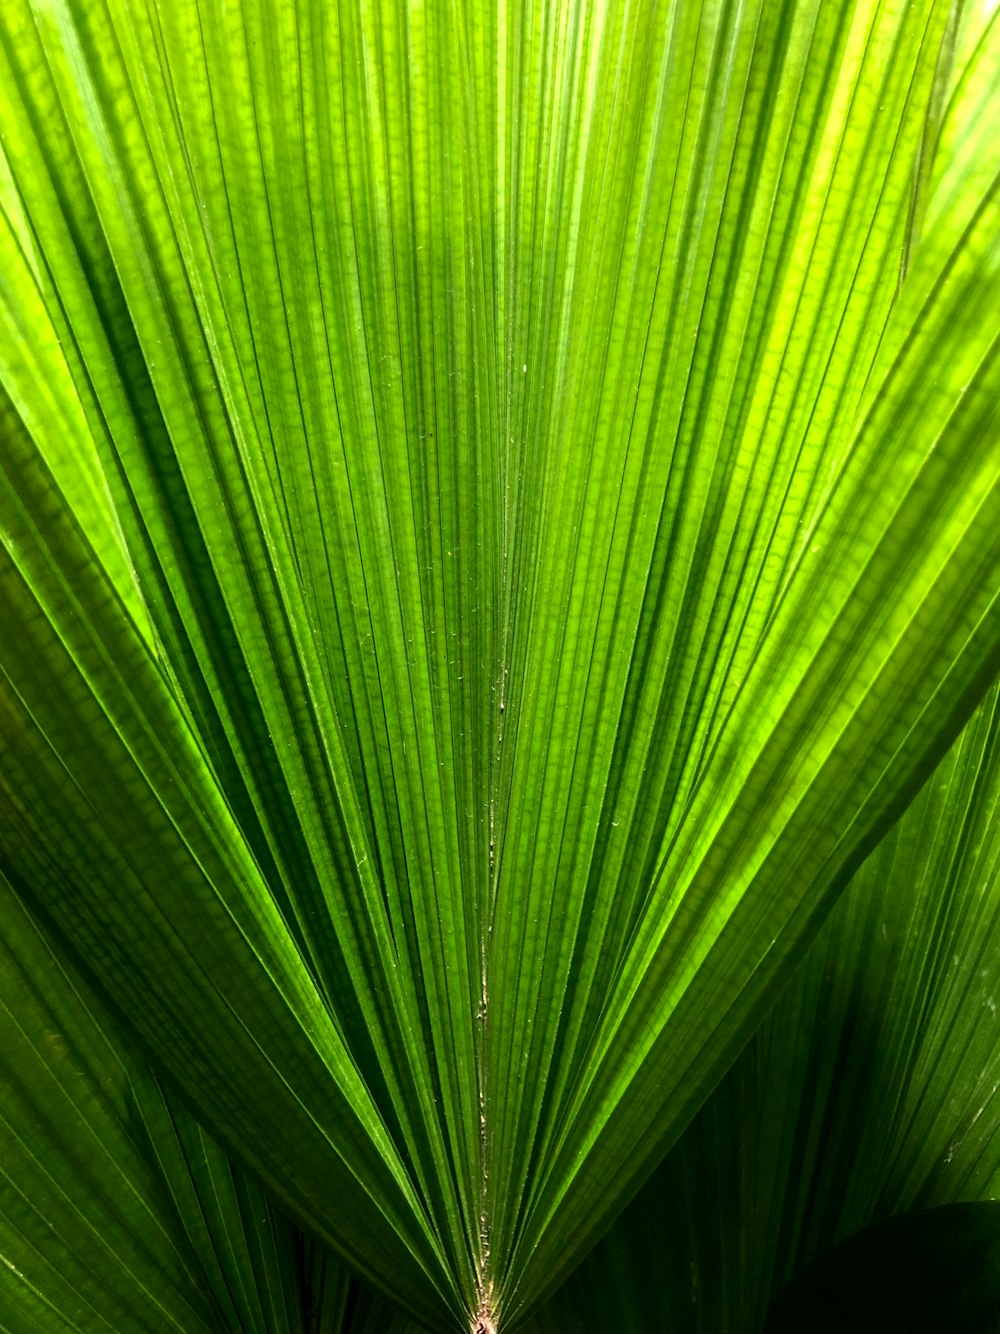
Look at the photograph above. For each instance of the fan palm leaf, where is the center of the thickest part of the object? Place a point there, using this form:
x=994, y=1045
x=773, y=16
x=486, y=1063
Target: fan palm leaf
x=499, y=514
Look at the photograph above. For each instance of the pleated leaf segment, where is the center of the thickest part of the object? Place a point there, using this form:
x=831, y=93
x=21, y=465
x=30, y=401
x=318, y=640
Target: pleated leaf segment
x=871, y=1093
x=499, y=512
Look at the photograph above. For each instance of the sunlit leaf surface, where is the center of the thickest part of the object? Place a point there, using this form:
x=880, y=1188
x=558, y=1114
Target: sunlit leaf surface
x=871, y=1090
x=499, y=512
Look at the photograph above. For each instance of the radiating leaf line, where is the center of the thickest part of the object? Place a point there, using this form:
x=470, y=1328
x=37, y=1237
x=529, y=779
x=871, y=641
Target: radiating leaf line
x=556, y=540
x=86, y=1241
x=868, y=1091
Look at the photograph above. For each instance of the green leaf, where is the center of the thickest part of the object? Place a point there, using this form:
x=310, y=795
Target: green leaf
x=499, y=514
x=336, y=1303
x=871, y=1090
x=117, y=1212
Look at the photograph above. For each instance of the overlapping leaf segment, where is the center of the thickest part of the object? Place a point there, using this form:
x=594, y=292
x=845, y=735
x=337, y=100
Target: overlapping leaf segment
x=871, y=1089
x=499, y=509
x=116, y=1210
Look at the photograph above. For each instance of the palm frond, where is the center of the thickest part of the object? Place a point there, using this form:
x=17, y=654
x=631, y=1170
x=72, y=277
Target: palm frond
x=871, y=1090
x=117, y=1212
x=499, y=514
